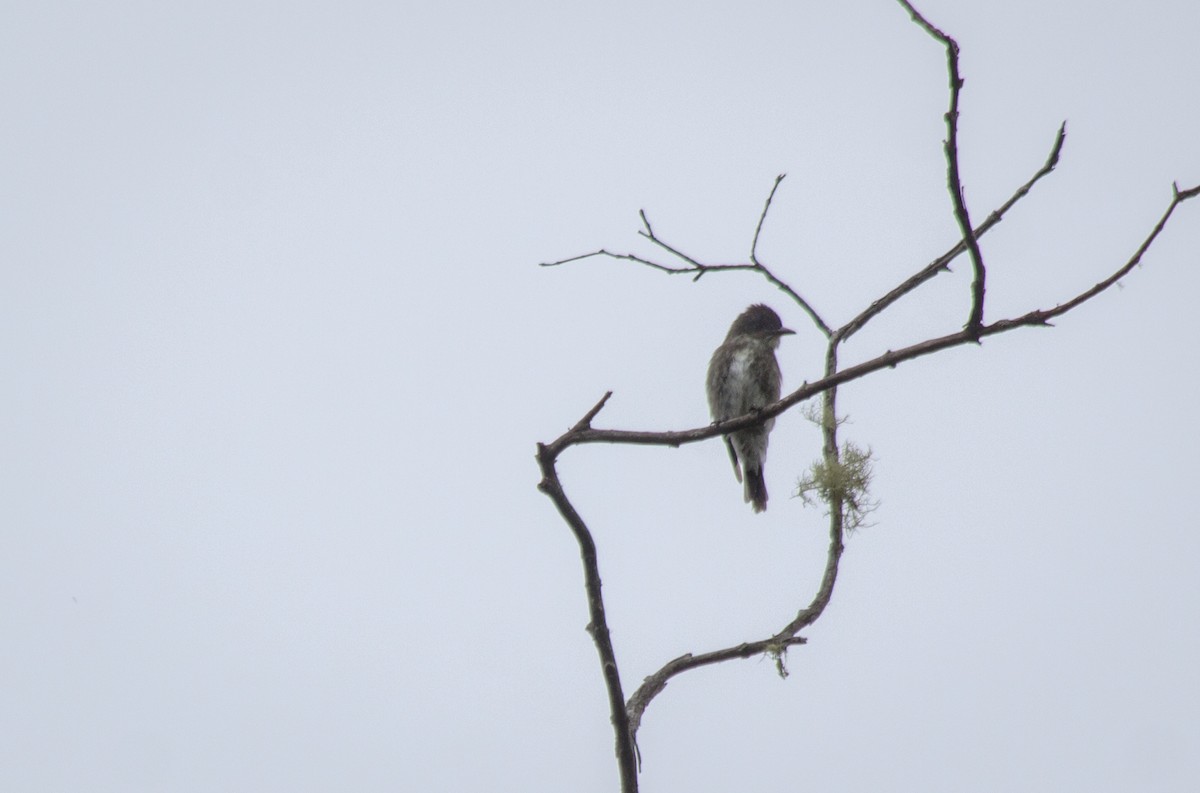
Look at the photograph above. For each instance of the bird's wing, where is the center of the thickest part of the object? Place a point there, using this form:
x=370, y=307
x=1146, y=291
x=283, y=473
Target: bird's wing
x=733, y=458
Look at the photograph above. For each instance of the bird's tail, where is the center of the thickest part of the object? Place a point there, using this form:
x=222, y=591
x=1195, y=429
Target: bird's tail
x=756, y=489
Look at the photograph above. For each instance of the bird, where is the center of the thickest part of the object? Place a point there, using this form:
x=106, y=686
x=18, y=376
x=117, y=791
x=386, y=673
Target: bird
x=743, y=376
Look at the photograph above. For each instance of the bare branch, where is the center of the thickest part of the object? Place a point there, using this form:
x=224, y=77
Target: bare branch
x=646, y=222
x=953, y=179
x=586, y=421
x=696, y=266
x=770, y=276
x=697, y=269
x=630, y=257
x=653, y=685
x=763, y=217
x=826, y=331
x=1178, y=197
x=598, y=625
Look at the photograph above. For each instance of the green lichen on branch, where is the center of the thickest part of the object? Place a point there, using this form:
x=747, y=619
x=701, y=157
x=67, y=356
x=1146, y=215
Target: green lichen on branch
x=843, y=482
x=778, y=654
x=819, y=414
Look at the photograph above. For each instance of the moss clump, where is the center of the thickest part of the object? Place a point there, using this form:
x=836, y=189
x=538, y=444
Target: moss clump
x=843, y=482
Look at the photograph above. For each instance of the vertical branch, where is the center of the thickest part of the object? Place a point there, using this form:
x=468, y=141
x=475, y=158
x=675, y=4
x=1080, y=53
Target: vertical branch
x=598, y=624
x=829, y=427
x=953, y=179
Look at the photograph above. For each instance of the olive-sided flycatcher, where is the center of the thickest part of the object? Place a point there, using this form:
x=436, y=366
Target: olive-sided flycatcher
x=743, y=376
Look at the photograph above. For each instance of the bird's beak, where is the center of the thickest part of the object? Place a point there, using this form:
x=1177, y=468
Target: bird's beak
x=784, y=332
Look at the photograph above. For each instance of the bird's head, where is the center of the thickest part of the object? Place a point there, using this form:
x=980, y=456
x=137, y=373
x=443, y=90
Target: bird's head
x=760, y=321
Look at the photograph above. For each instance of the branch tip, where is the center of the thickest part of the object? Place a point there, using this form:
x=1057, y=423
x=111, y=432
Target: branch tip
x=586, y=422
x=1184, y=195
x=1059, y=139
x=646, y=222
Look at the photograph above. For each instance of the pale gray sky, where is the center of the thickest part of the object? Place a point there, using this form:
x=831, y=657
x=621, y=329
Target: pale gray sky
x=277, y=352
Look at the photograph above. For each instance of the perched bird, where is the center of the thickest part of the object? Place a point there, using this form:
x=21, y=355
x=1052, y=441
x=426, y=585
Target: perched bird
x=743, y=376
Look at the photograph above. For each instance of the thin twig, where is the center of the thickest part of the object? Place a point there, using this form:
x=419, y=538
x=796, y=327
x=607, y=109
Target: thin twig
x=1178, y=197
x=632, y=257
x=697, y=269
x=763, y=217
x=786, y=288
x=586, y=421
x=822, y=326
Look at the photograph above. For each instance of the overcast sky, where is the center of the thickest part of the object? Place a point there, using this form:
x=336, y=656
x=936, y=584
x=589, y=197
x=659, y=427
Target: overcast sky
x=276, y=352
